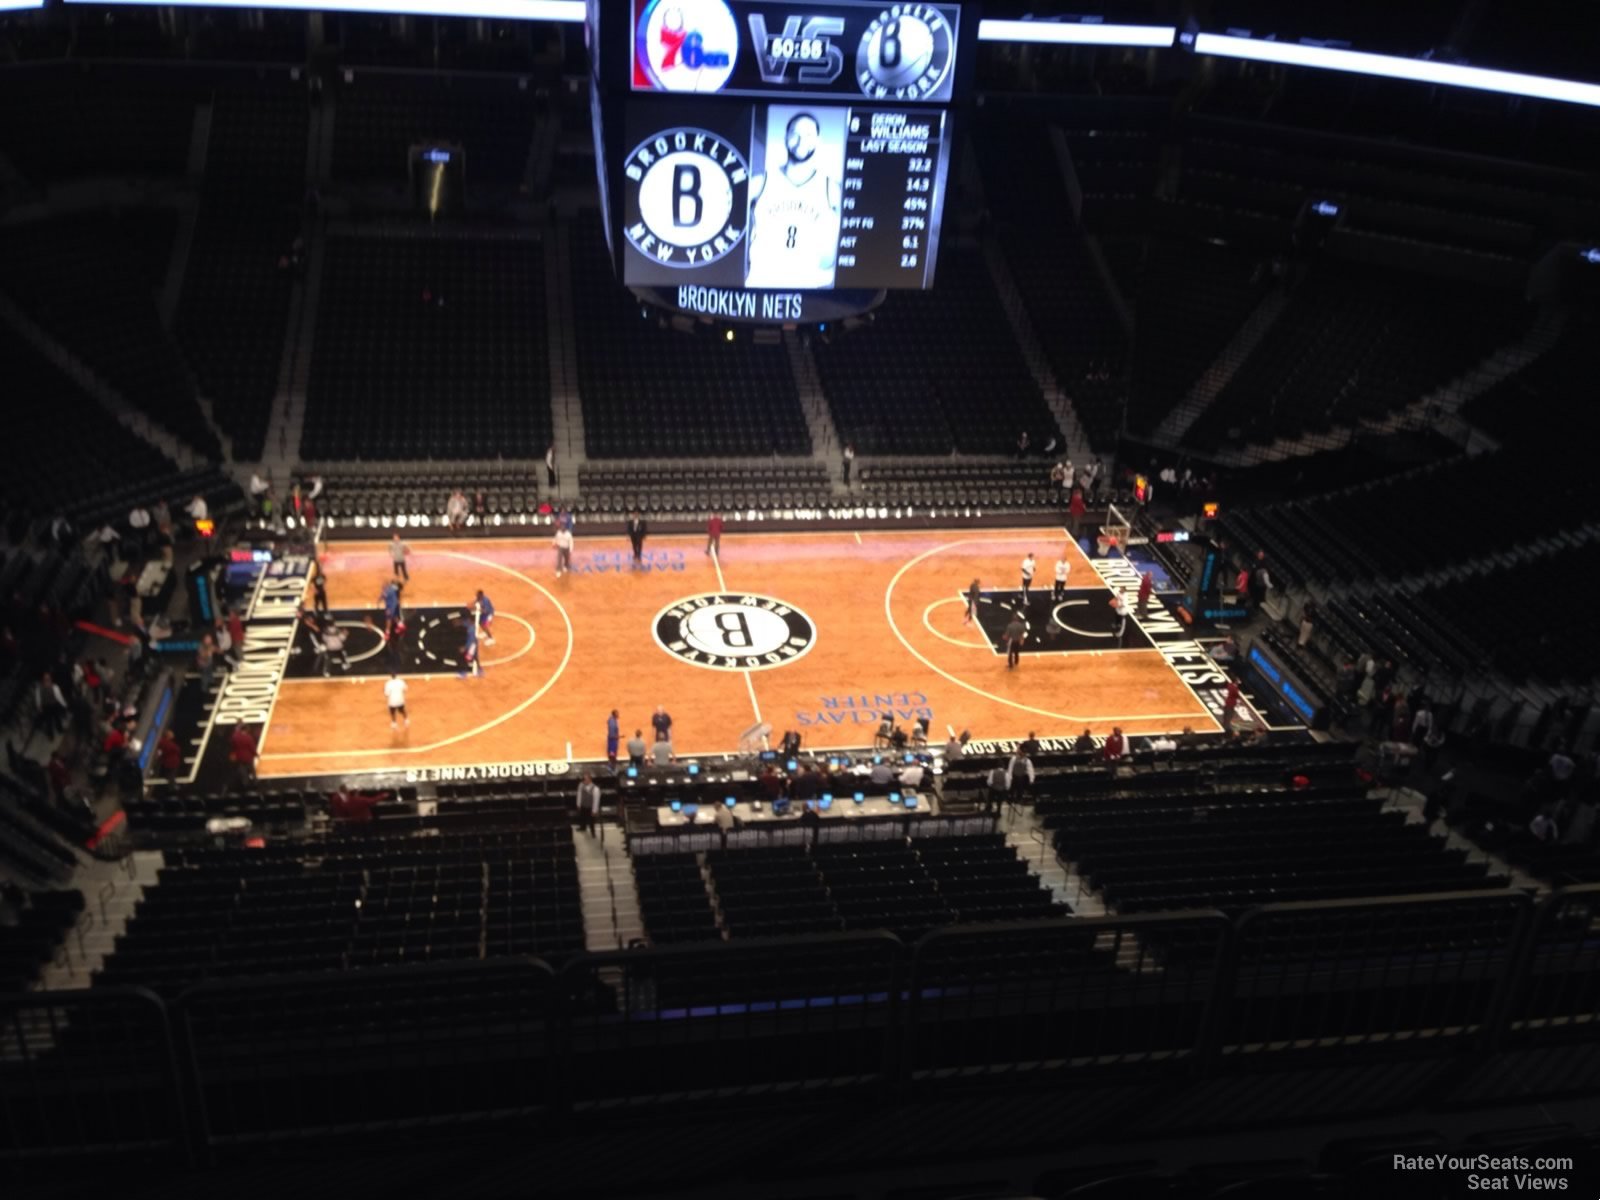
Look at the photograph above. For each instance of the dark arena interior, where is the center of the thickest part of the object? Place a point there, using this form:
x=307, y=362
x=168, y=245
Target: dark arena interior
x=727, y=599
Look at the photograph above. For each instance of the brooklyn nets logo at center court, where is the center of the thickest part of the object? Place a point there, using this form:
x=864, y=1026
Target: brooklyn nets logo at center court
x=733, y=632
x=691, y=189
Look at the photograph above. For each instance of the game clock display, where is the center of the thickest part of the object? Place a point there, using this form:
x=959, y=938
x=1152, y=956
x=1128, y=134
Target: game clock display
x=900, y=53
x=790, y=196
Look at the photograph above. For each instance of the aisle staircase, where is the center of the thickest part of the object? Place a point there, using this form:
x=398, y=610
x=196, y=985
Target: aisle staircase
x=126, y=414
x=1177, y=423
x=611, y=918
x=112, y=891
x=566, y=408
x=1078, y=447
x=826, y=446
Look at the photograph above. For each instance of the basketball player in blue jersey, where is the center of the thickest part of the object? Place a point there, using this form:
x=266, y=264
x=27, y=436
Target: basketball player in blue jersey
x=794, y=216
x=483, y=617
x=469, y=652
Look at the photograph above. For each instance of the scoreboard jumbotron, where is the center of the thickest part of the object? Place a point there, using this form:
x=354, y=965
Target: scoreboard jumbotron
x=765, y=162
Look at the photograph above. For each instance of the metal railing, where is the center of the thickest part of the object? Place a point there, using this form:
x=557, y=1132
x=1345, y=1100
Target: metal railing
x=232, y=1062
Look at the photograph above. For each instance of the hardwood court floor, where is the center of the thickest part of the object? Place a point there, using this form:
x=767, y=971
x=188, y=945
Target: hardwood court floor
x=888, y=633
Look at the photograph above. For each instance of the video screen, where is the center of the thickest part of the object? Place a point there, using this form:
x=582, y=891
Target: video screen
x=898, y=52
x=795, y=196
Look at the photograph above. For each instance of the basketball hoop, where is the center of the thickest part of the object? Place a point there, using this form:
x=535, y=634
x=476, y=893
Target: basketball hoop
x=1114, y=533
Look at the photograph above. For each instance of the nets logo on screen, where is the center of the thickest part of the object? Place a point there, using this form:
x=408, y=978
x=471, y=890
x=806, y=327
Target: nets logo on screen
x=691, y=190
x=684, y=45
x=905, y=53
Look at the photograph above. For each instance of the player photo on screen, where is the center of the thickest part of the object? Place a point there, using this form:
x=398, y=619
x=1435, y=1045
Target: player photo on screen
x=796, y=194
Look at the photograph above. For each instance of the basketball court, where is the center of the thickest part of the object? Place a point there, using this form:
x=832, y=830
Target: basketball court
x=825, y=633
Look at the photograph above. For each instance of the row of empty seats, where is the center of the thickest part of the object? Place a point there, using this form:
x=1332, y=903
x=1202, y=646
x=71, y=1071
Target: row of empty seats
x=653, y=392
x=429, y=348
x=907, y=887
x=352, y=901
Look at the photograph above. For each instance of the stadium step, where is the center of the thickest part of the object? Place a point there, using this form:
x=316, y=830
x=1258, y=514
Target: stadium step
x=111, y=890
x=825, y=444
x=1032, y=845
x=1223, y=368
x=125, y=413
x=605, y=886
x=566, y=410
x=1078, y=447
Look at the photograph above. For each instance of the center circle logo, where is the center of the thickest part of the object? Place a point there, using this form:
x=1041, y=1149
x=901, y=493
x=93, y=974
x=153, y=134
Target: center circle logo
x=685, y=45
x=691, y=189
x=730, y=631
x=904, y=53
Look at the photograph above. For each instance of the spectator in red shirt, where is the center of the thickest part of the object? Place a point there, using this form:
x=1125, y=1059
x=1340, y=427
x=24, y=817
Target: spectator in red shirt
x=1146, y=585
x=169, y=756
x=1116, y=746
x=355, y=807
x=242, y=754
x=1075, y=510
x=235, y=624
x=714, y=535
x=1230, y=701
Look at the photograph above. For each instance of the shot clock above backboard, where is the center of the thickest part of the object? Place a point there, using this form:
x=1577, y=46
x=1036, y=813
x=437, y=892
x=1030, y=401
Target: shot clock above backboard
x=892, y=52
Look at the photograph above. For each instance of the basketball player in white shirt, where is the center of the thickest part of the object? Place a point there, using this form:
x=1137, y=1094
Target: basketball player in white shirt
x=1062, y=569
x=794, y=218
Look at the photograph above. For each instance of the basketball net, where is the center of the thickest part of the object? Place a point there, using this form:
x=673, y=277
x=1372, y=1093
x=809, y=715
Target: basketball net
x=1115, y=532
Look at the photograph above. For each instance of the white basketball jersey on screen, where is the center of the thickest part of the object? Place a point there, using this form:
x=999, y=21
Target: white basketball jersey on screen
x=794, y=234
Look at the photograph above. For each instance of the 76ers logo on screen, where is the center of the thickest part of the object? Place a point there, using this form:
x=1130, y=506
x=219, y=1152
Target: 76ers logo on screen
x=684, y=45
x=905, y=53
x=691, y=190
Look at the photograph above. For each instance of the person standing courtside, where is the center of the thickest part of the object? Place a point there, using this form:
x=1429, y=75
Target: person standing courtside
x=394, y=694
x=1063, y=568
x=1119, y=620
x=661, y=722
x=563, y=541
x=398, y=553
x=637, y=531
x=1016, y=633
x=1075, y=510
x=1147, y=584
x=242, y=754
x=974, y=594
x=319, y=588
x=613, y=739
x=637, y=749
x=1028, y=566
x=588, y=803
x=714, y=534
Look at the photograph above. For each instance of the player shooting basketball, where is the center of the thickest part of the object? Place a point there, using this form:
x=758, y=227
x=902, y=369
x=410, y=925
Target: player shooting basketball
x=794, y=210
